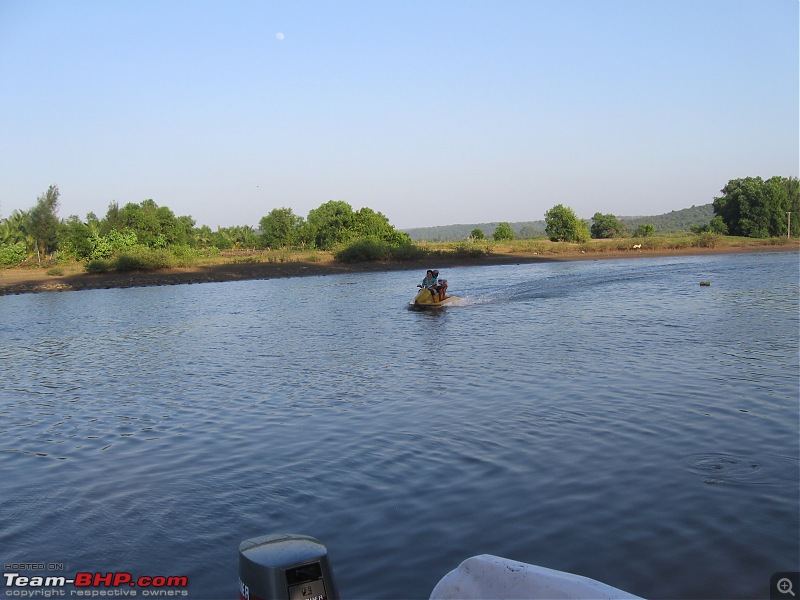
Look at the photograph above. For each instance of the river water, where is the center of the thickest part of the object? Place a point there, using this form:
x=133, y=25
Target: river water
x=612, y=418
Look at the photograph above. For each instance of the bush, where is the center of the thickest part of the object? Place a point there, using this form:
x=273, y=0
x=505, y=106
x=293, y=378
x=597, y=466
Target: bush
x=244, y=260
x=278, y=256
x=141, y=258
x=503, y=232
x=184, y=256
x=372, y=249
x=563, y=225
x=11, y=256
x=144, y=259
x=706, y=239
x=470, y=251
x=364, y=250
x=98, y=265
x=407, y=252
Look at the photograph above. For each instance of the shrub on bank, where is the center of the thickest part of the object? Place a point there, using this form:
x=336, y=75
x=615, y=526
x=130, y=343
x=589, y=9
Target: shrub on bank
x=11, y=256
x=471, y=250
x=407, y=252
x=144, y=259
x=98, y=265
x=141, y=258
x=372, y=249
x=185, y=256
x=706, y=239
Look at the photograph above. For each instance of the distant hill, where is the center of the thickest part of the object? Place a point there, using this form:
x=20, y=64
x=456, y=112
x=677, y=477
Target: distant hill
x=449, y=233
x=677, y=220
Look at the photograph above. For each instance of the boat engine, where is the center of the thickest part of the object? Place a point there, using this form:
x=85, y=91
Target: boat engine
x=285, y=567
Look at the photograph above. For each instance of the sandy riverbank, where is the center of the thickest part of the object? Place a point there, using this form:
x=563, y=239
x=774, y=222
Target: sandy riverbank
x=26, y=281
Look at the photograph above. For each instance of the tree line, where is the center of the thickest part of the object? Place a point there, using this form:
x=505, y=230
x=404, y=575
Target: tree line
x=40, y=233
x=749, y=207
x=672, y=222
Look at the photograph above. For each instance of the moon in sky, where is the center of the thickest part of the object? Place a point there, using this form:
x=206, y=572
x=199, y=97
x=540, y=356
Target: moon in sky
x=279, y=36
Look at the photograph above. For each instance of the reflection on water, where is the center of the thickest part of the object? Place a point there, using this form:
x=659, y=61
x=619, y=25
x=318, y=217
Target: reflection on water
x=610, y=418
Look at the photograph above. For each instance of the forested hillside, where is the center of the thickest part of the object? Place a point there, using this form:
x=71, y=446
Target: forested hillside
x=677, y=220
x=447, y=233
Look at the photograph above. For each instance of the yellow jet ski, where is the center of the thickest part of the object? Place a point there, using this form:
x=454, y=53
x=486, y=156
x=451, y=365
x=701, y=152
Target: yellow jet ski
x=434, y=297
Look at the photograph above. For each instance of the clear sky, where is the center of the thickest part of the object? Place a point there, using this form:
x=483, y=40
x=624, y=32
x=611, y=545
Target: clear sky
x=433, y=112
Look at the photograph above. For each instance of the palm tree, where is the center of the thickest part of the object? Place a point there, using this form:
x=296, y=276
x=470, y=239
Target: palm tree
x=247, y=236
x=15, y=229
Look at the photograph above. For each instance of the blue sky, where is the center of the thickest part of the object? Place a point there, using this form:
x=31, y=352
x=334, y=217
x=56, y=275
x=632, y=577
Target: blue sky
x=433, y=112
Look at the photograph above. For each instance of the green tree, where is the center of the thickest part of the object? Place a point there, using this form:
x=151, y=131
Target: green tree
x=222, y=238
x=502, y=232
x=368, y=223
x=606, y=226
x=175, y=230
x=186, y=224
x=791, y=187
x=563, y=225
x=202, y=236
x=92, y=221
x=477, y=234
x=43, y=221
x=330, y=224
x=14, y=230
x=238, y=236
x=155, y=226
x=244, y=236
x=103, y=246
x=112, y=220
x=645, y=230
x=717, y=225
x=142, y=219
x=280, y=228
x=752, y=207
x=75, y=238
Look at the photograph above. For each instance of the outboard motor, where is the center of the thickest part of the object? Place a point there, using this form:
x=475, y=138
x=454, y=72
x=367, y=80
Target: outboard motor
x=285, y=567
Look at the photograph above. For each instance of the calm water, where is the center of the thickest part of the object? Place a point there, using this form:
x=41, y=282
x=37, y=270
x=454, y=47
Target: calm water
x=613, y=419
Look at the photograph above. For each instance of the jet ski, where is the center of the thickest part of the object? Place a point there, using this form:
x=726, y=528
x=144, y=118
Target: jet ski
x=433, y=297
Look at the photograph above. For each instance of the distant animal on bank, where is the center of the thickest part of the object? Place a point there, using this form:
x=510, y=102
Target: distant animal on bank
x=637, y=246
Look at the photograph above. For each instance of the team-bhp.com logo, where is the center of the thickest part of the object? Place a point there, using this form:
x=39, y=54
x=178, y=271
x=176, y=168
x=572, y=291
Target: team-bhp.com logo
x=117, y=584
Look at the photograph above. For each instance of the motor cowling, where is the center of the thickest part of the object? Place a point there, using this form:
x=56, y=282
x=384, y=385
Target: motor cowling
x=285, y=567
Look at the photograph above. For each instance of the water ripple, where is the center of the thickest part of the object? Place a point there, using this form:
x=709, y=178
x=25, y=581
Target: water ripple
x=582, y=416
x=721, y=468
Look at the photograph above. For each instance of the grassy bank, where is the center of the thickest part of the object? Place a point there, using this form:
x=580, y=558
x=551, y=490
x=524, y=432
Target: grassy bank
x=655, y=244
x=268, y=264
x=144, y=259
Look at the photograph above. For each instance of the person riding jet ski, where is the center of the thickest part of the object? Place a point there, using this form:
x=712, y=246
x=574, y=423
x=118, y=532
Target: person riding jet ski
x=430, y=282
x=437, y=287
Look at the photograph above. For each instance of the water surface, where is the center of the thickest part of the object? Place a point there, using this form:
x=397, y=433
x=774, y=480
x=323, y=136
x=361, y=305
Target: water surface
x=613, y=419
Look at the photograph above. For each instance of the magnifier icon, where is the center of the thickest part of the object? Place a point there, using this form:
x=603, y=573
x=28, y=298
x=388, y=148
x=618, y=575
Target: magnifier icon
x=785, y=586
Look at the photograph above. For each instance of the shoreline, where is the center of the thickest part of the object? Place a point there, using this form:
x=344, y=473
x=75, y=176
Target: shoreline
x=29, y=281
